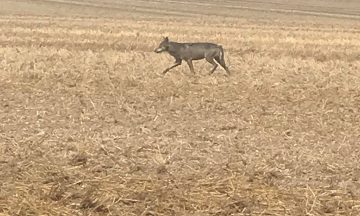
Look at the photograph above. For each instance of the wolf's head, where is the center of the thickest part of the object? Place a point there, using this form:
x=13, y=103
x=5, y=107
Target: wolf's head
x=163, y=46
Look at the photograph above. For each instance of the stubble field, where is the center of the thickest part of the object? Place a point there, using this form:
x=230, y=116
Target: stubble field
x=90, y=126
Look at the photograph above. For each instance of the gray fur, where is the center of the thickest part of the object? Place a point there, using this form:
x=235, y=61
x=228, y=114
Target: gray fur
x=193, y=51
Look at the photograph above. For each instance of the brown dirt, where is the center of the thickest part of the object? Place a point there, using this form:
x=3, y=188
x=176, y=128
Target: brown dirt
x=89, y=126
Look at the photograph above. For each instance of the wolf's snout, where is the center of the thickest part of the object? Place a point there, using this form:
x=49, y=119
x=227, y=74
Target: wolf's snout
x=157, y=50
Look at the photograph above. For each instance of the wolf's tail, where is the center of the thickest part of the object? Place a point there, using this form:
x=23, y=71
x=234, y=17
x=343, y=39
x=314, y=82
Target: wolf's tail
x=221, y=53
x=222, y=60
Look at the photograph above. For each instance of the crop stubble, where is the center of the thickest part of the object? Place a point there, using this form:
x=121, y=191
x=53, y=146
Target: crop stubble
x=88, y=125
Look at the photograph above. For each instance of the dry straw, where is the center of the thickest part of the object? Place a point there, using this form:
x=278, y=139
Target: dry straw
x=89, y=126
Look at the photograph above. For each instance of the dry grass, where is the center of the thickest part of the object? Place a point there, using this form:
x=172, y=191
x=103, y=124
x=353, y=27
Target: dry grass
x=89, y=126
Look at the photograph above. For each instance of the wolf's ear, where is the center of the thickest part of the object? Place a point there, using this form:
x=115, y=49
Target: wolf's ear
x=166, y=39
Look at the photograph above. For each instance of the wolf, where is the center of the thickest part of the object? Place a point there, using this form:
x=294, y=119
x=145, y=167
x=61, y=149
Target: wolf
x=193, y=51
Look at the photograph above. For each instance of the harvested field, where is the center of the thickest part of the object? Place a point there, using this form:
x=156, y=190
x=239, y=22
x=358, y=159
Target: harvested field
x=90, y=126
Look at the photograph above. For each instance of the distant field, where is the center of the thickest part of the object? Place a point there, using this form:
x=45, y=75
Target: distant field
x=90, y=126
x=298, y=10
